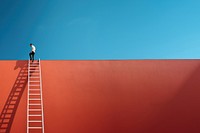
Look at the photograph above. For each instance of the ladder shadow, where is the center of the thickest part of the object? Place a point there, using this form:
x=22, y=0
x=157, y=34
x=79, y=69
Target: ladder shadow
x=9, y=110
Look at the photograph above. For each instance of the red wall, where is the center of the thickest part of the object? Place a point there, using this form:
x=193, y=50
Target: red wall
x=139, y=96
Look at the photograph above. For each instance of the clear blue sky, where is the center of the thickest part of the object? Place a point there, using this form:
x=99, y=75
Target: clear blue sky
x=100, y=29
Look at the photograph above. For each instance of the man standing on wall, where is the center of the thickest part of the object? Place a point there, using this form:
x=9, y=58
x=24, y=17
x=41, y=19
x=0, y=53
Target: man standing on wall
x=32, y=53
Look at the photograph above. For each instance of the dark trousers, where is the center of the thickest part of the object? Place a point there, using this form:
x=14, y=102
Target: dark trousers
x=31, y=54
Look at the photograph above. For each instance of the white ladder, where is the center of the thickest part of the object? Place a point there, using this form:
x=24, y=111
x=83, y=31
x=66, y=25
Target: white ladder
x=35, y=112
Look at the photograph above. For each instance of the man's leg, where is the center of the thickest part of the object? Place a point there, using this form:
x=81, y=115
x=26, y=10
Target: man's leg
x=30, y=55
x=33, y=56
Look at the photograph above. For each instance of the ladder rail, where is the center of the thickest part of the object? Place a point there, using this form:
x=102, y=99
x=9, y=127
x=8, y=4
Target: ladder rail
x=27, y=117
x=41, y=96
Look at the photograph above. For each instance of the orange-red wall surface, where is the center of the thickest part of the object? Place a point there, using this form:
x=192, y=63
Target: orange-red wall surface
x=136, y=96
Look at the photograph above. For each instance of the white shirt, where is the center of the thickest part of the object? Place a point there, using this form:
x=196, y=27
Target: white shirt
x=33, y=48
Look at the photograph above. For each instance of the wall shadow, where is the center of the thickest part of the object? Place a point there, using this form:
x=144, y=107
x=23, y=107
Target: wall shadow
x=9, y=110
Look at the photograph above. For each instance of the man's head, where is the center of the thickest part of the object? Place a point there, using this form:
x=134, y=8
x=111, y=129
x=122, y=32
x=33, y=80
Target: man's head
x=31, y=44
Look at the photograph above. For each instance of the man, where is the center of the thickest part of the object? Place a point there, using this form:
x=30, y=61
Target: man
x=32, y=53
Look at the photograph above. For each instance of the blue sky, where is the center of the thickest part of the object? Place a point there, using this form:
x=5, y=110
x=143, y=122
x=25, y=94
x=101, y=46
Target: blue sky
x=100, y=29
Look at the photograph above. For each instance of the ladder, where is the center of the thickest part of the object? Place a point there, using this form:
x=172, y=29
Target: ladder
x=35, y=112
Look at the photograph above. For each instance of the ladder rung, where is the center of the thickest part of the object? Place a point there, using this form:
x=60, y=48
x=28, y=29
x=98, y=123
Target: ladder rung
x=35, y=61
x=35, y=109
x=34, y=85
x=35, y=127
x=34, y=77
x=34, y=99
x=35, y=115
x=35, y=94
x=34, y=64
x=34, y=81
x=35, y=121
x=34, y=89
x=34, y=104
